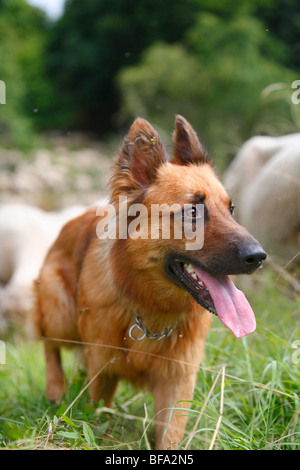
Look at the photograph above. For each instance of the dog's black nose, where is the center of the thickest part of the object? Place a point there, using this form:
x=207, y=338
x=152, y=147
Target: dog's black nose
x=252, y=257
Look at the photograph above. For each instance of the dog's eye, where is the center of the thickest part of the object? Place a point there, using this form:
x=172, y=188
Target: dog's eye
x=193, y=212
x=232, y=207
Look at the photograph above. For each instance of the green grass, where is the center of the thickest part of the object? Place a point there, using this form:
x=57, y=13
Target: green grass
x=252, y=404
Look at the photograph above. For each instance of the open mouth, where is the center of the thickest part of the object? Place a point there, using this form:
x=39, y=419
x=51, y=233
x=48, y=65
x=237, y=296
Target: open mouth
x=194, y=285
x=216, y=293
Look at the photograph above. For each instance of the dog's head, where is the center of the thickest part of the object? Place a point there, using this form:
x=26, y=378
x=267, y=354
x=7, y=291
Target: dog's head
x=152, y=264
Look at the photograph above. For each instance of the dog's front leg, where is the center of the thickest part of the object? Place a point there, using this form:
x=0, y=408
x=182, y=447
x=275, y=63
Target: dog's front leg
x=103, y=381
x=56, y=383
x=171, y=405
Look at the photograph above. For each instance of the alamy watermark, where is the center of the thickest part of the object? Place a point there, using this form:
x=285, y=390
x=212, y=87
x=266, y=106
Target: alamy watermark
x=2, y=353
x=159, y=221
x=296, y=354
x=2, y=92
x=296, y=94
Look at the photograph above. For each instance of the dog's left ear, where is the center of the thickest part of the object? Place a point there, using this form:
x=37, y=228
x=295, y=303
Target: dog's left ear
x=139, y=158
x=187, y=147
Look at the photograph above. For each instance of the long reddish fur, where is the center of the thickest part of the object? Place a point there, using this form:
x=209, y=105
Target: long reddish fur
x=90, y=290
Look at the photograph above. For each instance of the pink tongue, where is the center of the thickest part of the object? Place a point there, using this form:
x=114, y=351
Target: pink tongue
x=231, y=305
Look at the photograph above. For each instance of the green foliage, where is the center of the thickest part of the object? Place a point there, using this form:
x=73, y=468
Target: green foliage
x=103, y=62
x=11, y=117
x=96, y=38
x=216, y=80
x=160, y=86
x=28, y=89
x=260, y=392
x=282, y=17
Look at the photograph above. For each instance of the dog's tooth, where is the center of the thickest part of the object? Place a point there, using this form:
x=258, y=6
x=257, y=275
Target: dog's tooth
x=190, y=268
x=194, y=276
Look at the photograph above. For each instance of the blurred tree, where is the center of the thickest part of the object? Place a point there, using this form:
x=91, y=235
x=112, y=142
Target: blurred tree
x=216, y=83
x=96, y=38
x=12, y=119
x=213, y=54
x=166, y=82
x=282, y=18
x=23, y=36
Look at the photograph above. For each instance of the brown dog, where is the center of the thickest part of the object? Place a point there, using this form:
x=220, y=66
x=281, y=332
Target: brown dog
x=142, y=306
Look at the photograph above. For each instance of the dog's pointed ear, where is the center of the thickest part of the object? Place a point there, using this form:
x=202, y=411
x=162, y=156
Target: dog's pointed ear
x=186, y=145
x=139, y=158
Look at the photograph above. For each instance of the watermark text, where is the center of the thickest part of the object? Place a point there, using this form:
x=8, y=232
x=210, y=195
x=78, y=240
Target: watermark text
x=2, y=353
x=296, y=94
x=2, y=92
x=159, y=221
x=296, y=354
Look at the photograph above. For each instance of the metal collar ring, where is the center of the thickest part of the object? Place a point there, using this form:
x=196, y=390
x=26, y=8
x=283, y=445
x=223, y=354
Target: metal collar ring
x=148, y=333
